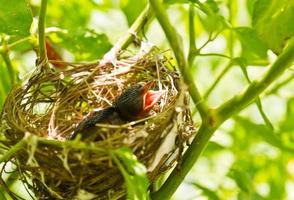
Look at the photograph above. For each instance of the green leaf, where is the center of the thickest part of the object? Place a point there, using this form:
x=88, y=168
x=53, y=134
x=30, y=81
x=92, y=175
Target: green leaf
x=207, y=192
x=83, y=44
x=242, y=179
x=69, y=14
x=272, y=21
x=134, y=173
x=254, y=50
x=262, y=131
x=212, y=21
x=132, y=9
x=175, y=1
x=287, y=125
x=15, y=17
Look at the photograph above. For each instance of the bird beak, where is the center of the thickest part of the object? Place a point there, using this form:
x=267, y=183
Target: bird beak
x=147, y=87
x=151, y=98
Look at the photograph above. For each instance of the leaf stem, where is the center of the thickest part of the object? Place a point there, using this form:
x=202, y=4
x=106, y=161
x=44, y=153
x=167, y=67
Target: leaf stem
x=217, y=80
x=258, y=101
x=177, y=47
x=5, y=55
x=135, y=28
x=240, y=101
x=214, y=54
x=192, y=39
x=41, y=31
x=13, y=150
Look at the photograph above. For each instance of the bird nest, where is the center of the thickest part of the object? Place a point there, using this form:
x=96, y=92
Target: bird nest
x=43, y=112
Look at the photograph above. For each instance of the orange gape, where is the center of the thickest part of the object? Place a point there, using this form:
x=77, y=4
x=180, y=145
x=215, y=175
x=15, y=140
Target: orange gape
x=53, y=56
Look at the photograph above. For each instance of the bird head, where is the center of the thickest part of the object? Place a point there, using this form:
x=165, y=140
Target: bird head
x=137, y=101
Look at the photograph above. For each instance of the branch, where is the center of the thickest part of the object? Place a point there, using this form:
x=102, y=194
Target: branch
x=190, y=157
x=177, y=47
x=4, y=51
x=217, y=80
x=41, y=31
x=258, y=101
x=240, y=101
x=127, y=39
x=220, y=115
x=13, y=150
x=192, y=45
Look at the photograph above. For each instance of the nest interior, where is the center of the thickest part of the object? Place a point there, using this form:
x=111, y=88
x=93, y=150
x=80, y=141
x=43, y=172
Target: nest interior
x=52, y=103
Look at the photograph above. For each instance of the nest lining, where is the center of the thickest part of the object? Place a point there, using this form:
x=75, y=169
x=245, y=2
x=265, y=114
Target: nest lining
x=51, y=104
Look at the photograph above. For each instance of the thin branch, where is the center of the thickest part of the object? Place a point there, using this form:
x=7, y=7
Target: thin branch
x=129, y=37
x=4, y=51
x=13, y=150
x=41, y=31
x=279, y=85
x=221, y=114
x=177, y=47
x=240, y=101
x=258, y=101
x=192, y=39
x=217, y=80
x=9, y=66
x=214, y=54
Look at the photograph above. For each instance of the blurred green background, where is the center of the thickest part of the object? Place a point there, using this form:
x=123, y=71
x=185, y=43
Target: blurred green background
x=246, y=158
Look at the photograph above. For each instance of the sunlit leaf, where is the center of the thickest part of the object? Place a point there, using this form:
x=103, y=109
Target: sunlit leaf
x=15, y=17
x=176, y=1
x=213, y=21
x=272, y=20
x=287, y=125
x=207, y=192
x=133, y=172
x=83, y=44
x=242, y=179
x=263, y=132
x=132, y=9
x=254, y=50
x=68, y=14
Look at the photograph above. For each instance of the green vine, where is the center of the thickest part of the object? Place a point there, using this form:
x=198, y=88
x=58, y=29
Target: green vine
x=41, y=31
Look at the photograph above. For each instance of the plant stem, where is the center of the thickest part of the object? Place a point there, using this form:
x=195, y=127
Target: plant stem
x=281, y=84
x=258, y=101
x=214, y=54
x=192, y=45
x=41, y=31
x=240, y=101
x=217, y=80
x=221, y=114
x=177, y=47
x=190, y=157
x=18, y=146
x=9, y=66
x=136, y=27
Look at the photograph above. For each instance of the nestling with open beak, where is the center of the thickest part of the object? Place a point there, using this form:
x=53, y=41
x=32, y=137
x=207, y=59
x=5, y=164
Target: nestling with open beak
x=133, y=104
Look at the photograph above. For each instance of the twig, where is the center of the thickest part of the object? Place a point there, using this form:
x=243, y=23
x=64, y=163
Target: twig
x=192, y=39
x=279, y=85
x=176, y=45
x=127, y=39
x=41, y=32
x=217, y=80
x=258, y=101
x=214, y=54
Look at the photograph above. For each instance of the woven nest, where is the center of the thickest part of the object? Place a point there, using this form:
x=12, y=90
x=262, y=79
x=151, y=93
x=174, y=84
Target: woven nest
x=52, y=103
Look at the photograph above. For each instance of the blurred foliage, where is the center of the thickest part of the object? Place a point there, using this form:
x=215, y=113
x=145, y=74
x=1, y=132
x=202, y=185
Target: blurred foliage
x=133, y=172
x=272, y=22
x=15, y=17
x=245, y=159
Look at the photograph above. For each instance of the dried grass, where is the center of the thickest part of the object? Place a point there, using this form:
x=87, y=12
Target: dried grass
x=51, y=104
